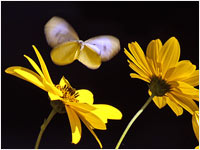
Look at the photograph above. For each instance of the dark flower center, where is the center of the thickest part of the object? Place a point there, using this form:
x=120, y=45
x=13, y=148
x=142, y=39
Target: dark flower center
x=158, y=86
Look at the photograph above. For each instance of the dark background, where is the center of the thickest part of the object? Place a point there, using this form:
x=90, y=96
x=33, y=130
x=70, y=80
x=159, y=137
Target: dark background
x=24, y=106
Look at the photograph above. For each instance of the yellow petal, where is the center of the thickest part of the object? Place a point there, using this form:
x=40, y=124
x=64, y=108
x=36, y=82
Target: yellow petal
x=182, y=70
x=35, y=66
x=187, y=103
x=153, y=49
x=138, y=70
x=159, y=101
x=91, y=130
x=175, y=107
x=153, y=66
x=64, y=82
x=131, y=57
x=195, y=123
x=197, y=147
x=83, y=107
x=93, y=120
x=138, y=53
x=65, y=53
x=193, y=79
x=85, y=96
x=43, y=65
x=134, y=75
x=185, y=89
x=26, y=74
x=75, y=125
x=51, y=88
x=54, y=97
x=135, y=63
x=89, y=58
x=105, y=112
x=169, y=54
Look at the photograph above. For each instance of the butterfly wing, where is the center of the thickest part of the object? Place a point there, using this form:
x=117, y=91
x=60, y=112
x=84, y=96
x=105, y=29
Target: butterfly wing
x=89, y=57
x=108, y=46
x=58, y=31
x=65, y=53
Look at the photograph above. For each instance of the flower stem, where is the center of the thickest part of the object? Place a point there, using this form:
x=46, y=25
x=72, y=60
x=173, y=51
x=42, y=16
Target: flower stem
x=43, y=127
x=133, y=120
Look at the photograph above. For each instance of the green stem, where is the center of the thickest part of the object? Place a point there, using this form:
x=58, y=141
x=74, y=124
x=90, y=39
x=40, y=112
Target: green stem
x=43, y=127
x=133, y=120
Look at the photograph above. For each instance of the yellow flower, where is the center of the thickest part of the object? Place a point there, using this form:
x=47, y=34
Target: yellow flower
x=170, y=80
x=195, y=125
x=77, y=103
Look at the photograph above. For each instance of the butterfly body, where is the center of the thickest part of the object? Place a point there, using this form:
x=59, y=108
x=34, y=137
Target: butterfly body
x=67, y=46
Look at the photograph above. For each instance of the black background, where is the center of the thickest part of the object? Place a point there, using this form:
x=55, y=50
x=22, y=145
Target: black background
x=24, y=106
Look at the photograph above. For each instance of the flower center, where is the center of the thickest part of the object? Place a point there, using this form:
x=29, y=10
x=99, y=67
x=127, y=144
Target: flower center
x=158, y=86
x=69, y=95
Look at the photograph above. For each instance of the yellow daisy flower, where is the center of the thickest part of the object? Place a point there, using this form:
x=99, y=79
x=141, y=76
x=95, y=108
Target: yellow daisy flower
x=77, y=103
x=195, y=125
x=170, y=80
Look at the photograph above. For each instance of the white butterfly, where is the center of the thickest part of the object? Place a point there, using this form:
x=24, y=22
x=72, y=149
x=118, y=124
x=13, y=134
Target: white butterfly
x=67, y=47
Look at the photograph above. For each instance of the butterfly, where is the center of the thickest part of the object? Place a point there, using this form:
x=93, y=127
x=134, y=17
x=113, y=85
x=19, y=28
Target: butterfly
x=67, y=47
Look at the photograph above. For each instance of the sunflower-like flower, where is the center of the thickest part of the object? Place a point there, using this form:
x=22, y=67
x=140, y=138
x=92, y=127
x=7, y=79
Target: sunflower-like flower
x=171, y=81
x=195, y=125
x=77, y=103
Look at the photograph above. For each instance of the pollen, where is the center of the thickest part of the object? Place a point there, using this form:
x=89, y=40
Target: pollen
x=69, y=93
